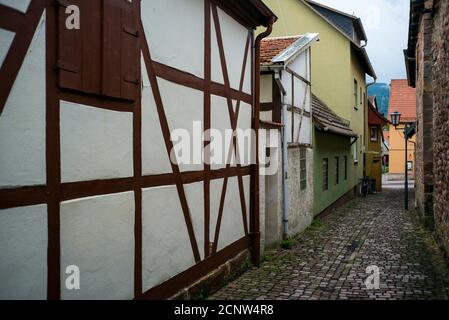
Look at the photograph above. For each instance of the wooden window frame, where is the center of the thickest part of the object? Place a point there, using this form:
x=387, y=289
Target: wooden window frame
x=325, y=170
x=375, y=137
x=303, y=168
x=337, y=170
x=346, y=167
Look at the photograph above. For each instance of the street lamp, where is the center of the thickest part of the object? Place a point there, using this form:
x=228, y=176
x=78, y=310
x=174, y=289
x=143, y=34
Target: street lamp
x=395, y=120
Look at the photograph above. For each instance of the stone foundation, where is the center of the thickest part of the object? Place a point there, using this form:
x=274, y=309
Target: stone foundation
x=216, y=279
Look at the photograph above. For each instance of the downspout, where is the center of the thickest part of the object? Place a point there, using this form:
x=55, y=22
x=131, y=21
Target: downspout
x=284, y=156
x=256, y=223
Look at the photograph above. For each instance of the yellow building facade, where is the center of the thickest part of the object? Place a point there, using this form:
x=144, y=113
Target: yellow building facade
x=402, y=100
x=397, y=151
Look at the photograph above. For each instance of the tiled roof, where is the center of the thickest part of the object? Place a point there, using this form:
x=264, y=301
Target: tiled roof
x=328, y=120
x=403, y=100
x=374, y=116
x=271, y=47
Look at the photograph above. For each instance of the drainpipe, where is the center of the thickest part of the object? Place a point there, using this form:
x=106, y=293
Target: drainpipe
x=255, y=188
x=284, y=156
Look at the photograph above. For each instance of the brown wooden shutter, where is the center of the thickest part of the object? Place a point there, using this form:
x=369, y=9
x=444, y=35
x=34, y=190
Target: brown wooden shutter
x=70, y=51
x=120, y=49
x=130, y=53
x=102, y=57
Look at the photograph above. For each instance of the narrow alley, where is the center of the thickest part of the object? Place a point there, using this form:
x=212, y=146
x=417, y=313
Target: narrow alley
x=330, y=259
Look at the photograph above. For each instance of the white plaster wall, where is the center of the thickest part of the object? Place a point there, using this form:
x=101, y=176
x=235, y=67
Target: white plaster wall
x=23, y=253
x=234, y=37
x=166, y=249
x=232, y=228
x=195, y=199
x=247, y=191
x=305, y=136
x=22, y=123
x=155, y=158
x=220, y=121
x=97, y=235
x=246, y=137
x=300, y=65
x=21, y=5
x=95, y=143
x=305, y=124
x=287, y=83
x=266, y=116
x=301, y=94
x=183, y=106
x=273, y=203
x=266, y=88
x=6, y=38
x=175, y=33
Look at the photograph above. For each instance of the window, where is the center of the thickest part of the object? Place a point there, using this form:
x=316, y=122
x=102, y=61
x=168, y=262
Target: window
x=374, y=133
x=303, y=168
x=360, y=97
x=325, y=174
x=102, y=56
x=409, y=165
x=337, y=170
x=356, y=152
x=346, y=167
x=355, y=93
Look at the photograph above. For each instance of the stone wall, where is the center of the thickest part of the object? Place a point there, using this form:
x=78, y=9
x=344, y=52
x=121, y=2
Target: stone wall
x=424, y=106
x=300, y=201
x=440, y=51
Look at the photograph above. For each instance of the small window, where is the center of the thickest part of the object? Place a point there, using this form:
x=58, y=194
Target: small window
x=361, y=95
x=374, y=133
x=356, y=152
x=355, y=94
x=325, y=174
x=303, y=168
x=346, y=167
x=409, y=165
x=337, y=170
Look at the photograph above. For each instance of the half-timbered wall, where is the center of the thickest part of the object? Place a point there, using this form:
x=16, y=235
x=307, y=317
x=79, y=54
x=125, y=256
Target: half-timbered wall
x=85, y=175
x=296, y=81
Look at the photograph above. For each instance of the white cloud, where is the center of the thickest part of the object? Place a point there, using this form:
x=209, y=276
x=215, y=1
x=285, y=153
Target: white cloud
x=386, y=25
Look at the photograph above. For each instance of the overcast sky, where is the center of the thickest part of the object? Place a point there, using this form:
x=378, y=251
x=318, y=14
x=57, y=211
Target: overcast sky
x=386, y=26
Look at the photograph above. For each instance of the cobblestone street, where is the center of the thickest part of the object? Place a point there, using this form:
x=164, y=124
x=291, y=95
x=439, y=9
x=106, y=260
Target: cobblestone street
x=329, y=260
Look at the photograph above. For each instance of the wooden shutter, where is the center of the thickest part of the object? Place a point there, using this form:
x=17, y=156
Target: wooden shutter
x=70, y=50
x=120, y=49
x=103, y=55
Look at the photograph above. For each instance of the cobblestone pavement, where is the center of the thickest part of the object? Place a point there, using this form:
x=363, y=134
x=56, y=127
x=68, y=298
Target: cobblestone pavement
x=330, y=259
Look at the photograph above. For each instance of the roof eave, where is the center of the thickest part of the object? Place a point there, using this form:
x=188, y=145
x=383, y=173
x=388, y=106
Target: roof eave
x=367, y=62
x=292, y=51
x=334, y=130
x=359, y=23
x=251, y=13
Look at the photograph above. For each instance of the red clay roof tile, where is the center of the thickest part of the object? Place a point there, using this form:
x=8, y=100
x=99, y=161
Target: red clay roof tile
x=403, y=100
x=271, y=47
